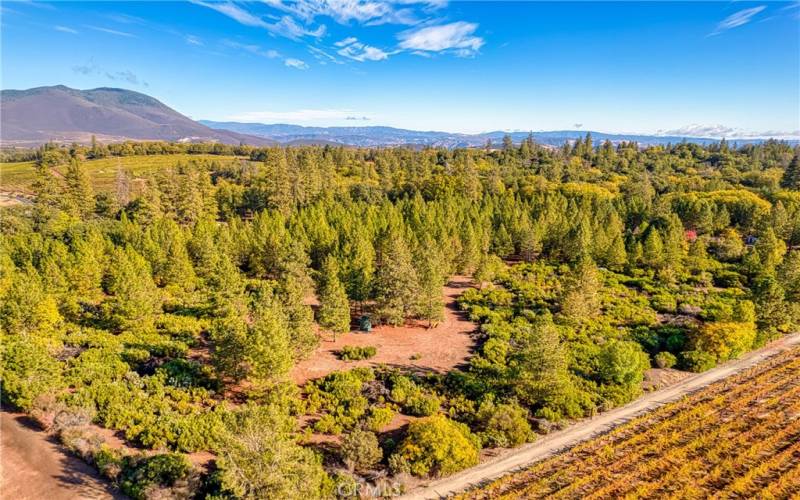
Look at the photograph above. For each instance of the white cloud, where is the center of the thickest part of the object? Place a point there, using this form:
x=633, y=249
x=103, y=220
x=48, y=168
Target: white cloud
x=295, y=63
x=346, y=41
x=456, y=37
x=234, y=12
x=300, y=115
x=719, y=131
x=353, y=49
x=737, y=19
x=65, y=29
x=322, y=56
x=112, y=32
x=369, y=12
x=193, y=40
x=285, y=26
x=253, y=49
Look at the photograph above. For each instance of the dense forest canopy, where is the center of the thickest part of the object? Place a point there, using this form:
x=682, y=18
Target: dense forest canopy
x=173, y=307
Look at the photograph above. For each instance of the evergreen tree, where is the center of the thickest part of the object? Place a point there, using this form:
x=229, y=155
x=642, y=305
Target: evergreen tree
x=396, y=284
x=581, y=297
x=134, y=298
x=78, y=199
x=791, y=176
x=334, y=308
x=431, y=275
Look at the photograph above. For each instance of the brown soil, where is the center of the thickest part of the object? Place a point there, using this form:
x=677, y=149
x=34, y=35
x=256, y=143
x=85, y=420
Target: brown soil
x=34, y=467
x=658, y=378
x=438, y=349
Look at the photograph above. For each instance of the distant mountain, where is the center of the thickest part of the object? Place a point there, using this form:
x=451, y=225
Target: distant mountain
x=63, y=114
x=388, y=136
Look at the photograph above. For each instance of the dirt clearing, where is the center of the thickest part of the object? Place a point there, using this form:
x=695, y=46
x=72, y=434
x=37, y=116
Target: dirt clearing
x=32, y=467
x=437, y=349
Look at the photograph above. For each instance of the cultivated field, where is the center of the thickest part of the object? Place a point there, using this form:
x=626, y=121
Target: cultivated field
x=19, y=176
x=738, y=438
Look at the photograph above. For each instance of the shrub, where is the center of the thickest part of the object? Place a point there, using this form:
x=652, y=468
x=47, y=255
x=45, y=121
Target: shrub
x=360, y=450
x=355, y=353
x=435, y=446
x=379, y=418
x=140, y=473
x=414, y=400
x=664, y=302
x=665, y=359
x=81, y=441
x=44, y=410
x=505, y=425
x=697, y=361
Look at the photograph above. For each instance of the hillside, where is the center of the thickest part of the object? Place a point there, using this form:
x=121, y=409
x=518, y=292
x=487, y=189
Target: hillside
x=64, y=114
x=390, y=136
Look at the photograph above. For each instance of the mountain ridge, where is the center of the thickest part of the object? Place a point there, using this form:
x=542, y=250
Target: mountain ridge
x=60, y=113
x=370, y=136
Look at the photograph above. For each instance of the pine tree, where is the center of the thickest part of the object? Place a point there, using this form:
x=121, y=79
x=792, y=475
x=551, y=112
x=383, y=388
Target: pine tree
x=653, y=249
x=791, y=176
x=581, y=298
x=770, y=250
x=334, y=308
x=431, y=275
x=45, y=186
x=78, y=197
x=396, y=284
x=134, y=298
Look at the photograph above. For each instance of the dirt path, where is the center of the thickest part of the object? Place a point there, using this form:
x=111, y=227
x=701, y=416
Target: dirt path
x=437, y=349
x=32, y=467
x=583, y=430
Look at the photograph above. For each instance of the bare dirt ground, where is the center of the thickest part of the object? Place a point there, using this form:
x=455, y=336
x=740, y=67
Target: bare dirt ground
x=588, y=428
x=438, y=349
x=659, y=378
x=33, y=467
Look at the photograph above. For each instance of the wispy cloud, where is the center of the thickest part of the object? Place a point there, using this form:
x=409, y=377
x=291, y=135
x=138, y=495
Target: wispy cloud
x=111, y=32
x=322, y=56
x=285, y=26
x=127, y=76
x=65, y=29
x=737, y=19
x=295, y=63
x=253, y=49
x=300, y=115
x=367, y=12
x=717, y=131
x=457, y=37
x=351, y=48
x=193, y=40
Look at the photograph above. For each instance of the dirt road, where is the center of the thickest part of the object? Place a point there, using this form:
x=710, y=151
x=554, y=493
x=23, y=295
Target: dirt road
x=589, y=428
x=34, y=468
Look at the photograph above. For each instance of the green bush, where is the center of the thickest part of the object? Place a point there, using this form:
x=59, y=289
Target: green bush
x=665, y=359
x=379, y=418
x=360, y=450
x=435, y=446
x=697, y=361
x=414, y=400
x=664, y=302
x=504, y=425
x=139, y=473
x=355, y=353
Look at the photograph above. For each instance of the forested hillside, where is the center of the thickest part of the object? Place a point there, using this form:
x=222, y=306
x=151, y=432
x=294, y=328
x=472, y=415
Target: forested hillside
x=170, y=304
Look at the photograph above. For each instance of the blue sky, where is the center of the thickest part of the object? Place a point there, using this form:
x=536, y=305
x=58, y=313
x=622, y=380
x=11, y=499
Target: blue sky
x=702, y=68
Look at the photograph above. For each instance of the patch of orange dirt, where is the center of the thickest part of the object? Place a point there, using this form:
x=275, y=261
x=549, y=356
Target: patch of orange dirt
x=438, y=349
